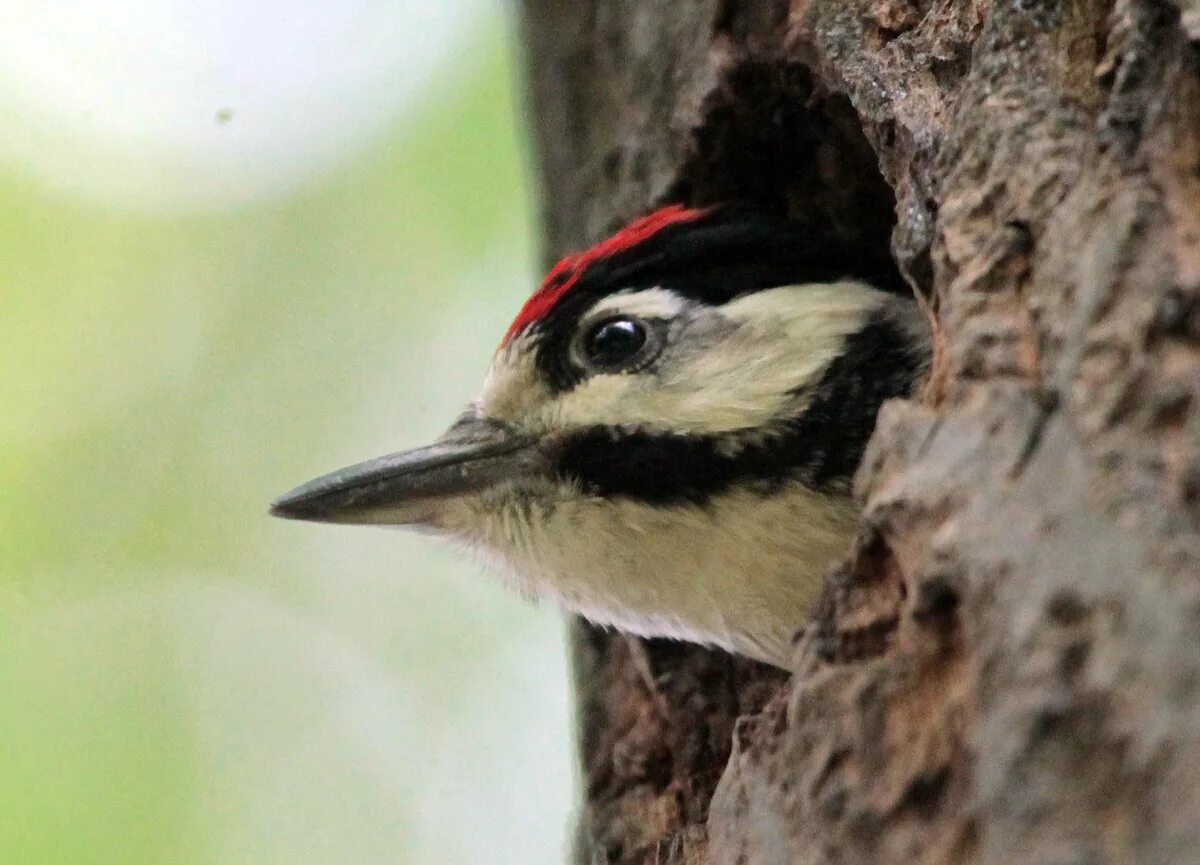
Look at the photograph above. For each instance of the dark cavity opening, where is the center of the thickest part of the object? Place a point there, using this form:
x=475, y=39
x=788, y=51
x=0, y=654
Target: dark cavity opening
x=779, y=141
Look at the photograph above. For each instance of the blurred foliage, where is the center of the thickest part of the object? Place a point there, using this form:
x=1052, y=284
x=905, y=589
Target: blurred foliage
x=185, y=680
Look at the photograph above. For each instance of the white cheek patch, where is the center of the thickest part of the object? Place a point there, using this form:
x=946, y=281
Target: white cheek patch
x=650, y=303
x=728, y=368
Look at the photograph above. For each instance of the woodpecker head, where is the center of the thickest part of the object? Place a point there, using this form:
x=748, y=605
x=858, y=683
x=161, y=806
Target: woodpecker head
x=666, y=435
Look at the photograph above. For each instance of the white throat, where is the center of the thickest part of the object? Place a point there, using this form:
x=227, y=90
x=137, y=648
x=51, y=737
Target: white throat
x=739, y=572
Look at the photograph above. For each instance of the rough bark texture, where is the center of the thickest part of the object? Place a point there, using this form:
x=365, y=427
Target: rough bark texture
x=1006, y=669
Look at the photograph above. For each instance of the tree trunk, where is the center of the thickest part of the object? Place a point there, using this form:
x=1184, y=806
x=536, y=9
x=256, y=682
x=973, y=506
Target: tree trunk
x=1006, y=668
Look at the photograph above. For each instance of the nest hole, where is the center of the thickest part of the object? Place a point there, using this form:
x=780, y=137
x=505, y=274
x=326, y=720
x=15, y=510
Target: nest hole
x=780, y=141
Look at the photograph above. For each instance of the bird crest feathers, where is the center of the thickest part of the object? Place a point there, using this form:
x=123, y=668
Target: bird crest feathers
x=564, y=275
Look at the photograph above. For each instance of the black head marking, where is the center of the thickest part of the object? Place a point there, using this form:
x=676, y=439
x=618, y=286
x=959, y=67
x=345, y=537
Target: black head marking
x=712, y=258
x=820, y=448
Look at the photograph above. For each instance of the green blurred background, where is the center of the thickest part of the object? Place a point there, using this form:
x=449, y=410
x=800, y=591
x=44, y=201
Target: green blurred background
x=240, y=247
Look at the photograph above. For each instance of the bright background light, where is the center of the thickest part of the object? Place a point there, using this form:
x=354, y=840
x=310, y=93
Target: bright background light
x=182, y=104
x=241, y=244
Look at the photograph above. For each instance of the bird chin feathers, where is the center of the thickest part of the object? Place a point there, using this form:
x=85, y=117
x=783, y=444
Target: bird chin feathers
x=739, y=572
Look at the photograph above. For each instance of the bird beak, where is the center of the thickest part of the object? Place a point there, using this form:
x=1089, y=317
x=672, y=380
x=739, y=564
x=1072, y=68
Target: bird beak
x=414, y=487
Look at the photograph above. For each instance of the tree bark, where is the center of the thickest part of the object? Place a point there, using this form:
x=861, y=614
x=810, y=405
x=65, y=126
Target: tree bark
x=1006, y=668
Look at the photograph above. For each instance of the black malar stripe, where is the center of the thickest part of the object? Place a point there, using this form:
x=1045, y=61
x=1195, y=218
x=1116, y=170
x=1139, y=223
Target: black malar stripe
x=821, y=448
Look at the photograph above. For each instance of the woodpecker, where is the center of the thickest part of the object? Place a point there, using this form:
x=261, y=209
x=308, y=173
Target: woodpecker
x=666, y=437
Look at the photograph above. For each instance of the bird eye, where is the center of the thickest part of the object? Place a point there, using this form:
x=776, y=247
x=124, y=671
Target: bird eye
x=619, y=344
x=612, y=342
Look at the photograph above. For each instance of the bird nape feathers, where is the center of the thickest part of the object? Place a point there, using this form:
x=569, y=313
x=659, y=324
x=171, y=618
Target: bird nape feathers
x=666, y=437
